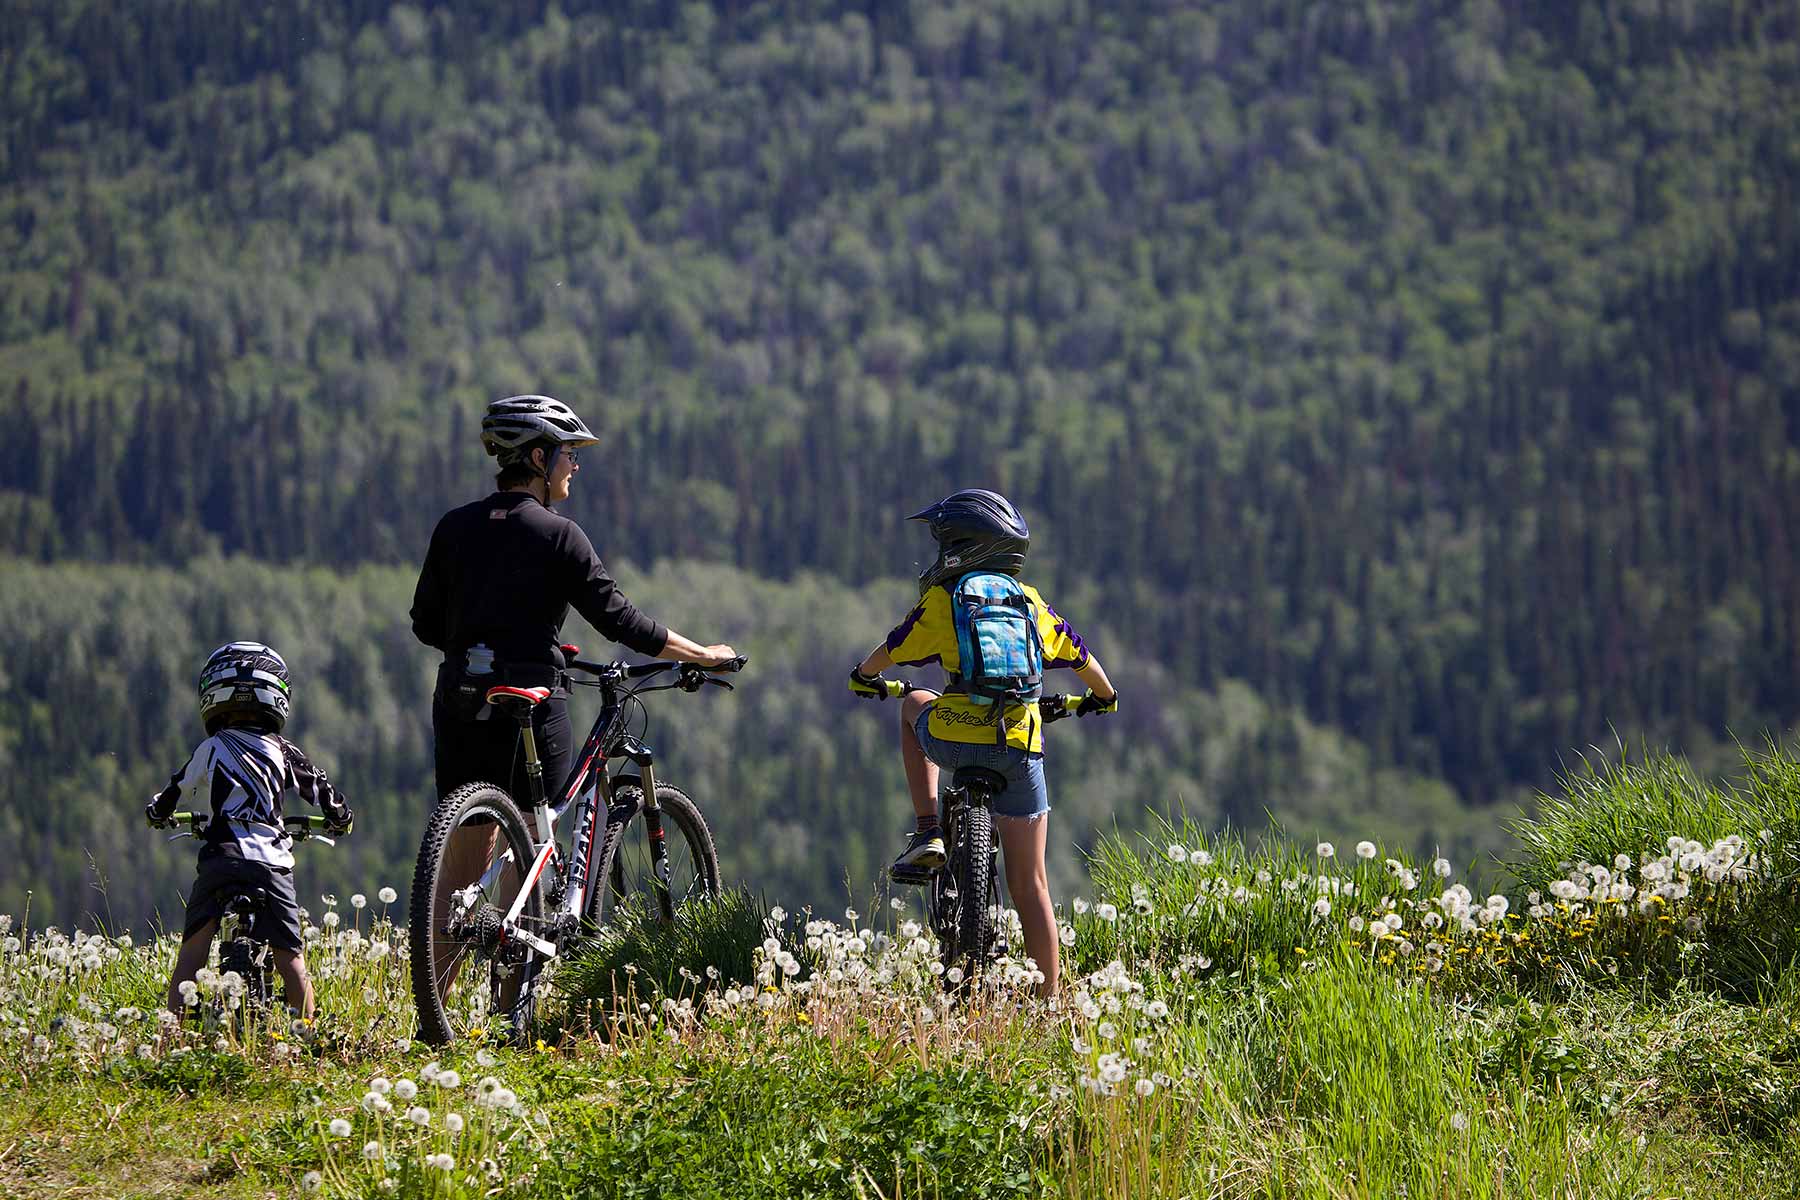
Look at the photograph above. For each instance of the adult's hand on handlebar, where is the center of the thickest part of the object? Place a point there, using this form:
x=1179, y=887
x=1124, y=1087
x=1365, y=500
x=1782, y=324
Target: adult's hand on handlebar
x=154, y=818
x=722, y=657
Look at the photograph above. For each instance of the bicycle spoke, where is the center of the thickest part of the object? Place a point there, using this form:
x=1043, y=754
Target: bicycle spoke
x=636, y=873
x=630, y=875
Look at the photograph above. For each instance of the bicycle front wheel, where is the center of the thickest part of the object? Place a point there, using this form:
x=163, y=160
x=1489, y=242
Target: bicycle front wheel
x=467, y=975
x=629, y=872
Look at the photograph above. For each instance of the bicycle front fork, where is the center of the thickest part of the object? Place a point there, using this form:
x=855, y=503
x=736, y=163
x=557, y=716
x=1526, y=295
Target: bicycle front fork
x=644, y=759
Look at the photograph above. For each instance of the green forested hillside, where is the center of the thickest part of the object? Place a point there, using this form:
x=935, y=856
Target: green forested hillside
x=1424, y=376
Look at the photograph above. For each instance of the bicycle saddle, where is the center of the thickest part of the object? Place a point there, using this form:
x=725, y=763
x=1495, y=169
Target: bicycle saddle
x=982, y=779
x=247, y=902
x=517, y=699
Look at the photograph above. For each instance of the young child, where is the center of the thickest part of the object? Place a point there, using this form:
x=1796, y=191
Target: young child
x=979, y=530
x=239, y=774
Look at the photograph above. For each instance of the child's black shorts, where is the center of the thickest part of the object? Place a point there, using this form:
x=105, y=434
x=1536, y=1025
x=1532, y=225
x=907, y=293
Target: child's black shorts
x=221, y=877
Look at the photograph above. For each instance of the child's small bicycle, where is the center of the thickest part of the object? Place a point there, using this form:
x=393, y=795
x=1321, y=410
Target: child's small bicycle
x=243, y=946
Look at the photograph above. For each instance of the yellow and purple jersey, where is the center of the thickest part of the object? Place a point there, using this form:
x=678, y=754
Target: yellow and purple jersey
x=928, y=635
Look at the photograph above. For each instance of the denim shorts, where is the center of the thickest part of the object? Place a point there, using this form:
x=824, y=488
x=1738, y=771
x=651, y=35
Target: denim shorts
x=1025, y=794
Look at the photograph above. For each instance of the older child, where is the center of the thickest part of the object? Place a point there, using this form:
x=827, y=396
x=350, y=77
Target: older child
x=979, y=531
x=239, y=774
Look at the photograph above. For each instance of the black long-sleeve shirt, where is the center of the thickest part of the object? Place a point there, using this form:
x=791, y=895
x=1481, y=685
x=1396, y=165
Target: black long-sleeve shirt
x=504, y=571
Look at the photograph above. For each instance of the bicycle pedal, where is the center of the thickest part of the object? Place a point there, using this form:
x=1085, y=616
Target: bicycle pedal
x=911, y=876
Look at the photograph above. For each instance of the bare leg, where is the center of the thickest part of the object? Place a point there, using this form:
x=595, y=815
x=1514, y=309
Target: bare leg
x=188, y=961
x=296, y=984
x=1022, y=842
x=921, y=772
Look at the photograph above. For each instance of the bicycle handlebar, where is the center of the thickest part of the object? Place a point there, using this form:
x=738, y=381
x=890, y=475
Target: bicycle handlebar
x=693, y=675
x=301, y=826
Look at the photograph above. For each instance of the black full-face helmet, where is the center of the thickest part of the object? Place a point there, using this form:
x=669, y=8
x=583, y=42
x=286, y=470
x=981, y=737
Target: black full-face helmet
x=244, y=683
x=976, y=530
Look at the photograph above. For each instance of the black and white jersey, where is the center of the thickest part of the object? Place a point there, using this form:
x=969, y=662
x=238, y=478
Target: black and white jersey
x=240, y=777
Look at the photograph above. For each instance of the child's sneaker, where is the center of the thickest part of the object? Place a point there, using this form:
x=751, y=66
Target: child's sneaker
x=924, y=854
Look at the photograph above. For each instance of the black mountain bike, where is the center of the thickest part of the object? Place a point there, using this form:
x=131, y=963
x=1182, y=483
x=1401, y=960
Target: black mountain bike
x=509, y=923
x=964, y=908
x=243, y=945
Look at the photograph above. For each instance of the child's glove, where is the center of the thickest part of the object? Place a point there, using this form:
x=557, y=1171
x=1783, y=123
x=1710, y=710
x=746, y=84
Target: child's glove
x=873, y=687
x=1091, y=704
x=338, y=828
x=157, y=821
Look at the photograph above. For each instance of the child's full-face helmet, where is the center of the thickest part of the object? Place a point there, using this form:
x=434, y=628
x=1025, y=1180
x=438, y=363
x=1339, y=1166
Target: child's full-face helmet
x=244, y=683
x=976, y=530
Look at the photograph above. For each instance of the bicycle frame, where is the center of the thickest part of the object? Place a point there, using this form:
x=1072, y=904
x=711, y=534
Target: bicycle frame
x=589, y=793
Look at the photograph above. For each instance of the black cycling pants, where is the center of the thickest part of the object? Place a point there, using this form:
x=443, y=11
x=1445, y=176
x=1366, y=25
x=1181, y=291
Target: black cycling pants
x=490, y=751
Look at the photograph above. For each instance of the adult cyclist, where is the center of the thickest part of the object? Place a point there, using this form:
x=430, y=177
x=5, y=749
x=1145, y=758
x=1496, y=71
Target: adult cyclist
x=499, y=579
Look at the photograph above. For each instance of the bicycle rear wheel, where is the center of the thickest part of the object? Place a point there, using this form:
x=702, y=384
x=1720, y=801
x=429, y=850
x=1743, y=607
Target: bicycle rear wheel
x=627, y=874
x=965, y=894
x=456, y=911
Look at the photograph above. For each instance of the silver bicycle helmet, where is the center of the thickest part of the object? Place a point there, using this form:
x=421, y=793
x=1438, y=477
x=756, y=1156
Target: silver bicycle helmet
x=514, y=425
x=244, y=683
x=976, y=530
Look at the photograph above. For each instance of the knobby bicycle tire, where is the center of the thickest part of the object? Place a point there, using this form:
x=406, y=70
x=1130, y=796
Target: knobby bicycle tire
x=970, y=871
x=433, y=958
x=624, y=874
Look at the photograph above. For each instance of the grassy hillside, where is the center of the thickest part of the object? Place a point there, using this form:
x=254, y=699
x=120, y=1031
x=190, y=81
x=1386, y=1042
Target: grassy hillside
x=1280, y=1022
